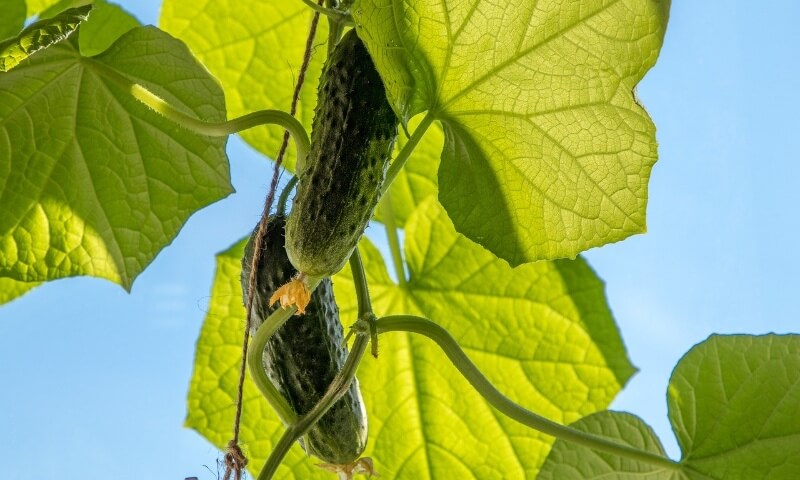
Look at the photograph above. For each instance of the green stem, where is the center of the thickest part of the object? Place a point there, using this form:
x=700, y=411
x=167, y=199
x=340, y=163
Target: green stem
x=212, y=129
x=256, y=365
x=360, y=282
x=284, y=198
x=390, y=223
x=332, y=13
x=422, y=326
x=405, y=153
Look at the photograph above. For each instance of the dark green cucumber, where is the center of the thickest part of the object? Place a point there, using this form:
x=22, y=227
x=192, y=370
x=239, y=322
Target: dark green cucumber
x=305, y=354
x=352, y=136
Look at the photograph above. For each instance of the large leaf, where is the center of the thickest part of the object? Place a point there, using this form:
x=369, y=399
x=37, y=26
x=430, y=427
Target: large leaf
x=542, y=332
x=40, y=35
x=97, y=183
x=255, y=51
x=13, y=18
x=733, y=405
x=547, y=151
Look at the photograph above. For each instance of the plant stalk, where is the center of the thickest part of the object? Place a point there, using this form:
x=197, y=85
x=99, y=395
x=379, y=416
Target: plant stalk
x=211, y=129
x=390, y=224
x=422, y=326
x=405, y=153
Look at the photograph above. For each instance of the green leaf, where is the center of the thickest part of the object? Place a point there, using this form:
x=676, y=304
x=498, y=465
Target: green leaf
x=733, y=403
x=13, y=18
x=549, y=343
x=569, y=461
x=11, y=289
x=40, y=35
x=256, y=54
x=417, y=180
x=107, y=23
x=98, y=184
x=547, y=151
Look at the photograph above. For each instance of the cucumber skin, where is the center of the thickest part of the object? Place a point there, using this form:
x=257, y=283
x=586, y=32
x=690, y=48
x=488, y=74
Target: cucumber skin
x=352, y=138
x=305, y=354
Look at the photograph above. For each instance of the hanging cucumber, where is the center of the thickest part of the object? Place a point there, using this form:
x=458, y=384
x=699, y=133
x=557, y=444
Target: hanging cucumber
x=305, y=354
x=352, y=137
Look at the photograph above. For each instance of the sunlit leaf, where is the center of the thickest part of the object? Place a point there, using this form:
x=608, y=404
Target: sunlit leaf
x=95, y=183
x=541, y=332
x=547, y=151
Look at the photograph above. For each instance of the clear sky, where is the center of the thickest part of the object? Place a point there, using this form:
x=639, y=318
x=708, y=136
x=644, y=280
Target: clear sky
x=94, y=379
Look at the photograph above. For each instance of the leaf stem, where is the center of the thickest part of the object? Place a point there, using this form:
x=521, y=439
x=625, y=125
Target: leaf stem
x=422, y=326
x=405, y=153
x=211, y=129
x=336, y=390
x=390, y=224
x=360, y=282
x=284, y=198
x=256, y=365
x=340, y=16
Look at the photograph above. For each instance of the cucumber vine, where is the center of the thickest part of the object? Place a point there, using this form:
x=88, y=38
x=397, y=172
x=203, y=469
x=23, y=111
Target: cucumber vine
x=540, y=160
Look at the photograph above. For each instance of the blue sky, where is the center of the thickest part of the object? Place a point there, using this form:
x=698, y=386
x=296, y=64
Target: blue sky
x=95, y=379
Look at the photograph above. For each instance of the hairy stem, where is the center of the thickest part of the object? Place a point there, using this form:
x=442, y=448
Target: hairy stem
x=284, y=198
x=340, y=16
x=390, y=224
x=211, y=129
x=360, y=282
x=405, y=153
x=422, y=326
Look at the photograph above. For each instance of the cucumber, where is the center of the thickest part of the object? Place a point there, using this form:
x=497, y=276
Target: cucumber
x=352, y=137
x=305, y=354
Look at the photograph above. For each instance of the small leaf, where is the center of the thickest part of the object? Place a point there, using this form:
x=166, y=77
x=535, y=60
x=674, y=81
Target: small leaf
x=11, y=289
x=256, y=54
x=97, y=183
x=13, y=18
x=40, y=35
x=733, y=403
x=547, y=151
x=569, y=461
